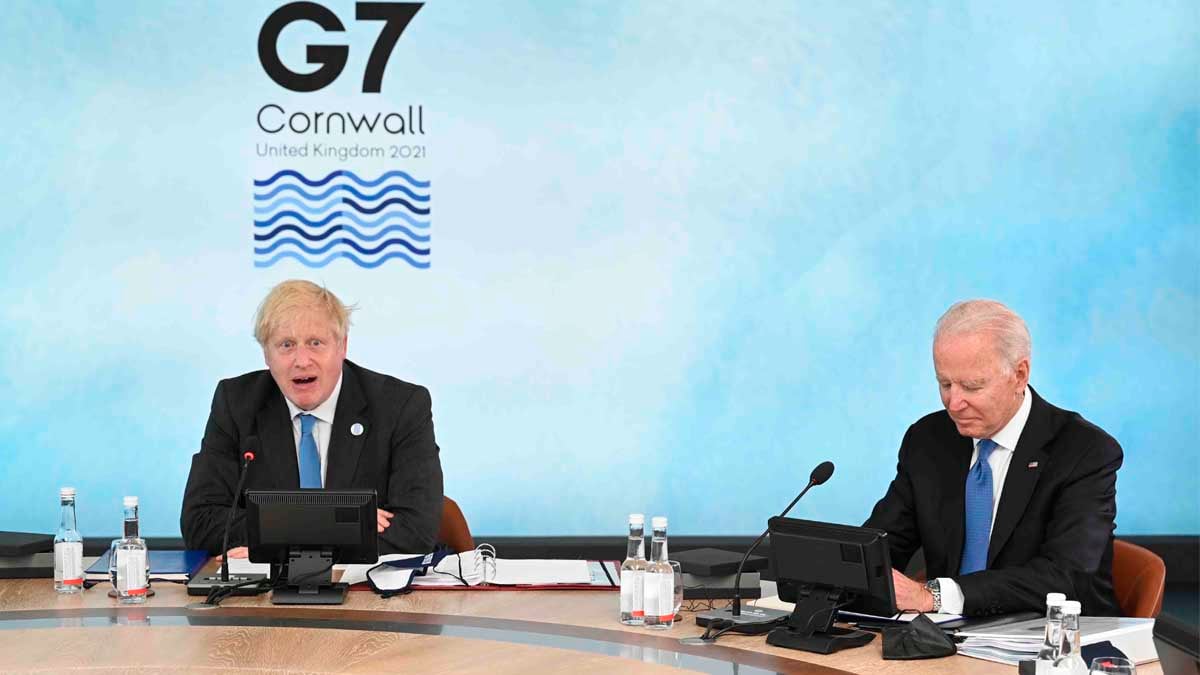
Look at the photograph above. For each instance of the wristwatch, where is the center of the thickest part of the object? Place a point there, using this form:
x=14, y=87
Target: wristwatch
x=935, y=589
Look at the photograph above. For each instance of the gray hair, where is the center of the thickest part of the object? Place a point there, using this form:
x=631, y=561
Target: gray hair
x=1008, y=331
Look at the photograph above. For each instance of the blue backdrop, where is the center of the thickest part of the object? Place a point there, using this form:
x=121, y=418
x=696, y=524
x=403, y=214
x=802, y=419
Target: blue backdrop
x=677, y=252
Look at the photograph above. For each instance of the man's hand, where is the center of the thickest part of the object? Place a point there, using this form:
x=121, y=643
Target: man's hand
x=911, y=596
x=239, y=552
x=383, y=519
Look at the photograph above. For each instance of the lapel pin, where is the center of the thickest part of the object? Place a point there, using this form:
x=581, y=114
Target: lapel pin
x=1032, y=465
x=356, y=429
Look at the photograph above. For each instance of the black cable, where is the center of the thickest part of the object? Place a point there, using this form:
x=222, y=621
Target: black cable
x=217, y=594
x=282, y=583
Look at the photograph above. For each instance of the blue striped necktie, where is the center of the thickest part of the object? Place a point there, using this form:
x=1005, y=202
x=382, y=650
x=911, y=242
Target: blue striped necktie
x=310, y=461
x=979, y=511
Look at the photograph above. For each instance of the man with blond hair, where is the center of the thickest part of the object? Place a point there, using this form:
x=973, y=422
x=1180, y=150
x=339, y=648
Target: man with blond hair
x=1009, y=497
x=322, y=422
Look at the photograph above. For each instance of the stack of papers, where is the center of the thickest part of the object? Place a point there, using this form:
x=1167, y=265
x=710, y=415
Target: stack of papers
x=470, y=568
x=1021, y=641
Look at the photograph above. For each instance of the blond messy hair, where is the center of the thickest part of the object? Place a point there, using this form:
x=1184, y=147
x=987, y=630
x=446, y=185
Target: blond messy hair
x=291, y=297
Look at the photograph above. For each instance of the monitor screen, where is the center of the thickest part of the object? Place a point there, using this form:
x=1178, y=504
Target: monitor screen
x=809, y=556
x=280, y=522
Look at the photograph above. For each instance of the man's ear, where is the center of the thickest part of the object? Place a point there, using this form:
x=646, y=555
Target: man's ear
x=1021, y=370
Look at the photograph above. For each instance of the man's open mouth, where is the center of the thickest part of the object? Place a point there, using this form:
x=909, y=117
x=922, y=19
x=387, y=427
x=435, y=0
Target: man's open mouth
x=304, y=380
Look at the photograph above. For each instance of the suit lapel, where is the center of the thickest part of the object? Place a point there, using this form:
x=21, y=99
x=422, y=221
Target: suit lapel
x=345, y=447
x=278, y=442
x=954, y=489
x=1026, y=465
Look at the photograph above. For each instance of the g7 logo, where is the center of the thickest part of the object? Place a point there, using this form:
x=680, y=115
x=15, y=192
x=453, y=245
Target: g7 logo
x=332, y=58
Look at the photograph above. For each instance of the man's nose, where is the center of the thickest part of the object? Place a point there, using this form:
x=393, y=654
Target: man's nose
x=957, y=402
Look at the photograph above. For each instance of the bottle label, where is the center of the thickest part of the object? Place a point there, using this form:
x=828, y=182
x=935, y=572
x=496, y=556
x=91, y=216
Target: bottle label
x=68, y=562
x=131, y=572
x=631, y=592
x=652, y=586
x=666, y=598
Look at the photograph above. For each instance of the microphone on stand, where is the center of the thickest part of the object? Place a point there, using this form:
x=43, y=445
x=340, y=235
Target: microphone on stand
x=247, y=457
x=760, y=616
x=219, y=586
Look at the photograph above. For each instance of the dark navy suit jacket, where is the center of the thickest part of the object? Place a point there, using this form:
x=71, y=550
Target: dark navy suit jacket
x=1053, y=530
x=396, y=455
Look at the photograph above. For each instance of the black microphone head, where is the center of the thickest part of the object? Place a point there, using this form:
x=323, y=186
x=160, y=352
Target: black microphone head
x=251, y=446
x=822, y=473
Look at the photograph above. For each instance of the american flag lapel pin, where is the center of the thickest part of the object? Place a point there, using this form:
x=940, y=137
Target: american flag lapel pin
x=1032, y=465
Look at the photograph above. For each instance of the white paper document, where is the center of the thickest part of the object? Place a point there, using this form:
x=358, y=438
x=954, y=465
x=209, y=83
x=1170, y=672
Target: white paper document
x=244, y=566
x=540, y=572
x=903, y=617
x=773, y=602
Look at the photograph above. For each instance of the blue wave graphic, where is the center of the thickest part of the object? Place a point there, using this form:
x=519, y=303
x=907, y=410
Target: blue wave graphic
x=289, y=187
x=396, y=206
x=348, y=215
x=343, y=201
x=419, y=264
x=265, y=250
x=288, y=173
x=415, y=236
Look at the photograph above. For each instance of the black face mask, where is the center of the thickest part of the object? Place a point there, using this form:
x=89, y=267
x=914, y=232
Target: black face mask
x=917, y=639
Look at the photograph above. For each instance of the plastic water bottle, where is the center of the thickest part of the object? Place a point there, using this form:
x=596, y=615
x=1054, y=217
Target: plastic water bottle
x=1054, y=613
x=129, y=563
x=68, y=547
x=1070, y=660
x=659, y=580
x=632, y=571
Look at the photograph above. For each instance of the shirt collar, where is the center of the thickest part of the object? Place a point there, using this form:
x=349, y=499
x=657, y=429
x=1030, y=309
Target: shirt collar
x=323, y=412
x=1007, y=437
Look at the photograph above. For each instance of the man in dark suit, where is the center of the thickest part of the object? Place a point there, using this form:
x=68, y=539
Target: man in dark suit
x=321, y=421
x=1010, y=497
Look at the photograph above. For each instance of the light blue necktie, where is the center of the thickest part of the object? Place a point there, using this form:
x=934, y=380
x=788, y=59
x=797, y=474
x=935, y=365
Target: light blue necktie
x=310, y=461
x=979, y=511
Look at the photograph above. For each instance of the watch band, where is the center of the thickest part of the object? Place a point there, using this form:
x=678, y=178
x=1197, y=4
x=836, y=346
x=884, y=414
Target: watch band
x=935, y=589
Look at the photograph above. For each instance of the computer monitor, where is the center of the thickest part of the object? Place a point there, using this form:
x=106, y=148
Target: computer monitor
x=304, y=533
x=823, y=568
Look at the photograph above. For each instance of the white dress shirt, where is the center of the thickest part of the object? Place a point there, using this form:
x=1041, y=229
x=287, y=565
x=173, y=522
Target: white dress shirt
x=1001, y=457
x=322, y=429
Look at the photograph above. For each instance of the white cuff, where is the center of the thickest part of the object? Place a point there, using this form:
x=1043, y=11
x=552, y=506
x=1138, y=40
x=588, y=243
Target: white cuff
x=952, y=596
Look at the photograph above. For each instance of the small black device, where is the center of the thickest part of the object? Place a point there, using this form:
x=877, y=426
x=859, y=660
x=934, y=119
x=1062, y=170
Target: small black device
x=304, y=533
x=823, y=567
x=712, y=562
x=16, y=544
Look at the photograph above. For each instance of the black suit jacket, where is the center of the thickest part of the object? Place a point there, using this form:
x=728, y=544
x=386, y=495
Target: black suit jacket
x=396, y=455
x=1053, y=531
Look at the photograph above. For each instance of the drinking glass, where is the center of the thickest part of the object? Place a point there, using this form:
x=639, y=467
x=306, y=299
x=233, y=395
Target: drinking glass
x=678, y=573
x=1111, y=665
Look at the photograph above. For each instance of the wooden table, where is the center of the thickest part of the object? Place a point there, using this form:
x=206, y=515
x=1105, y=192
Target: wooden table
x=429, y=630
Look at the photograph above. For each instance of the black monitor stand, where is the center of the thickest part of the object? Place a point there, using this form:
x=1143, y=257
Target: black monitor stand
x=308, y=580
x=810, y=627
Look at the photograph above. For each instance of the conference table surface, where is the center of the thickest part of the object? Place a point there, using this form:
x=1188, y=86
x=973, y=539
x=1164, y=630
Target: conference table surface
x=461, y=631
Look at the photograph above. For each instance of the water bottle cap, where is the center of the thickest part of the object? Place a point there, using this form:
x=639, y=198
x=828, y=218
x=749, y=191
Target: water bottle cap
x=659, y=522
x=66, y=492
x=1055, y=599
x=637, y=519
x=129, y=502
x=1071, y=607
